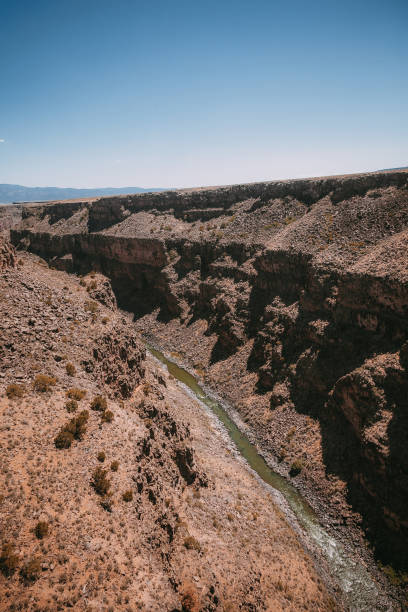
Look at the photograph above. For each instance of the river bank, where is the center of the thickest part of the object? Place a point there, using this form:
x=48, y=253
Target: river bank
x=341, y=555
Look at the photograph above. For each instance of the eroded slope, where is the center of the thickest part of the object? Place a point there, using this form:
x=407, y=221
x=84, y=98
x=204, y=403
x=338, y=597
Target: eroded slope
x=175, y=523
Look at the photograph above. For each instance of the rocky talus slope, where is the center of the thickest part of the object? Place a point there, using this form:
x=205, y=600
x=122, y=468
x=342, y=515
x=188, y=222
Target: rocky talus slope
x=291, y=299
x=118, y=492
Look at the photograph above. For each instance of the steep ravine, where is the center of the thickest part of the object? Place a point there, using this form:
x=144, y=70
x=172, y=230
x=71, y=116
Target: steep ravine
x=291, y=299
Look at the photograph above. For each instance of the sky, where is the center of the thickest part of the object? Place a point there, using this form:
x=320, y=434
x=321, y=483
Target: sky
x=179, y=93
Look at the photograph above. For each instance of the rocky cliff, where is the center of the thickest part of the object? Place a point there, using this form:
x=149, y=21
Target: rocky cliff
x=117, y=491
x=292, y=299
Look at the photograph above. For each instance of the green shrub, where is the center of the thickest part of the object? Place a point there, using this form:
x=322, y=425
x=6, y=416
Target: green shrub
x=99, y=403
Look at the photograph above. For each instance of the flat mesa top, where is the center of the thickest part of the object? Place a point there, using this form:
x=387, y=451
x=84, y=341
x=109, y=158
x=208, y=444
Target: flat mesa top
x=188, y=190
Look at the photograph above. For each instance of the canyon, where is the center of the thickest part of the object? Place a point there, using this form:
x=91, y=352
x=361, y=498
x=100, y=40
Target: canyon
x=289, y=299
x=118, y=492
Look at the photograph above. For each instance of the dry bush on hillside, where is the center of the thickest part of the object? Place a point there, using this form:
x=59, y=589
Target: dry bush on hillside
x=189, y=598
x=107, y=416
x=100, y=482
x=31, y=570
x=14, y=390
x=76, y=394
x=70, y=368
x=41, y=529
x=127, y=496
x=8, y=559
x=71, y=406
x=43, y=383
x=74, y=429
x=99, y=403
x=296, y=467
x=91, y=306
x=191, y=543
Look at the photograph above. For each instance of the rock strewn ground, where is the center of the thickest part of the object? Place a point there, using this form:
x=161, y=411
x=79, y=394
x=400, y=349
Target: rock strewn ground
x=198, y=532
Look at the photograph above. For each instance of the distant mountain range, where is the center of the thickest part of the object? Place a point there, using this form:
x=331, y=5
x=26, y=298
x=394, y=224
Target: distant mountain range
x=388, y=169
x=19, y=193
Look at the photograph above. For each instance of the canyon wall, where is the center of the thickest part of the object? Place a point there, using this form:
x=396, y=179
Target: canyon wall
x=299, y=291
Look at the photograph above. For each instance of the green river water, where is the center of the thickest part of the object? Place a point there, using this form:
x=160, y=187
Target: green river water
x=359, y=591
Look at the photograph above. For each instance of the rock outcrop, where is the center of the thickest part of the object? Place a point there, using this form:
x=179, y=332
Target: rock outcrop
x=300, y=289
x=7, y=255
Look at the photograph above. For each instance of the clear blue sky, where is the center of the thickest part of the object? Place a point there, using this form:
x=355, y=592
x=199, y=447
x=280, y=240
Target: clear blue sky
x=200, y=92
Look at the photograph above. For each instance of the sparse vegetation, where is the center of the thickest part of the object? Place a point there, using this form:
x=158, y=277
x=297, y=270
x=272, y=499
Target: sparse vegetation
x=70, y=368
x=71, y=405
x=101, y=456
x=30, y=572
x=43, y=383
x=74, y=429
x=189, y=600
x=296, y=468
x=100, y=482
x=114, y=466
x=191, y=543
x=14, y=390
x=127, y=496
x=107, y=416
x=63, y=439
x=107, y=503
x=76, y=394
x=99, y=403
x=8, y=559
x=41, y=529
x=91, y=306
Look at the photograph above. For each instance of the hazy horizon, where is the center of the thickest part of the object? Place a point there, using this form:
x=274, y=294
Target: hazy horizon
x=187, y=95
